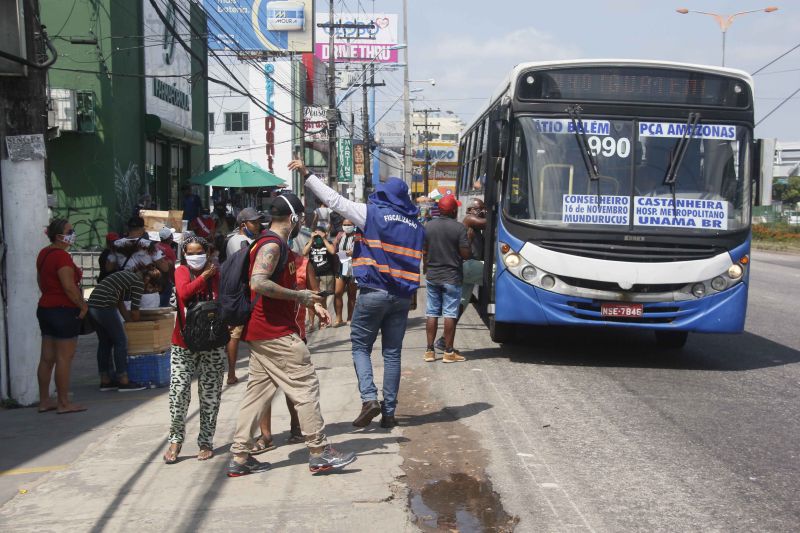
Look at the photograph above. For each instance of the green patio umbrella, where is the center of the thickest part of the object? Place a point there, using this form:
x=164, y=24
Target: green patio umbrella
x=237, y=173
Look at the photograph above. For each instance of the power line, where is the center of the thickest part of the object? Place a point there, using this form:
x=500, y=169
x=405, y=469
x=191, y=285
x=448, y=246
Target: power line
x=790, y=50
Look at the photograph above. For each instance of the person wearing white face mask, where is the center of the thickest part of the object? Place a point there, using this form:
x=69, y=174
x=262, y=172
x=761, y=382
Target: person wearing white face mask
x=343, y=244
x=197, y=278
x=60, y=312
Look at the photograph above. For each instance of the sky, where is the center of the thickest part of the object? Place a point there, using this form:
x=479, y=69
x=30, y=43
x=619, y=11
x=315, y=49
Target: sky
x=468, y=46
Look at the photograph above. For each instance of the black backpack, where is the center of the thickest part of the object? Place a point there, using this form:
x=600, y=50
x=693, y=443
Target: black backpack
x=203, y=330
x=234, y=282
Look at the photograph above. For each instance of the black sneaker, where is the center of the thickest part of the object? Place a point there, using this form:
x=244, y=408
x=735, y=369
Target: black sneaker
x=130, y=387
x=329, y=460
x=251, y=466
x=111, y=385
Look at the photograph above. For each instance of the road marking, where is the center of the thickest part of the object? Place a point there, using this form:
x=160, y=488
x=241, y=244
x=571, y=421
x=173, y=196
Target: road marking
x=32, y=470
x=526, y=454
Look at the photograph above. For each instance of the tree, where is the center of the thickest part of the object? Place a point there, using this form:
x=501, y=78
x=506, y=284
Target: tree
x=788, y=193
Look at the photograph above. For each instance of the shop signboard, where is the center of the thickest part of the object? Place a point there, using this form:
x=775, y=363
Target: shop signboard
x=168, y=87
x=344, y=157
x=366, y=44
x=271, y=132
x=315, y=123
x=283, y=26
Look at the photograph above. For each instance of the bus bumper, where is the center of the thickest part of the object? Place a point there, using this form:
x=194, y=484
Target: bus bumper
x=519, y=302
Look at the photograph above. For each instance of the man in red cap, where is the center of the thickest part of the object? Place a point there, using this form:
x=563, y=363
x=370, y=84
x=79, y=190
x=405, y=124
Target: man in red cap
x=446, y=248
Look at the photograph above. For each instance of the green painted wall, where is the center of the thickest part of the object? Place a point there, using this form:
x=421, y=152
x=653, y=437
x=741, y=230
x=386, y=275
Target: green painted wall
x=97, y=178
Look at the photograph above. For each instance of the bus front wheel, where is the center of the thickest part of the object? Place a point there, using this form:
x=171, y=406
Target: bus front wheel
x=501, y=332
x=671, y=339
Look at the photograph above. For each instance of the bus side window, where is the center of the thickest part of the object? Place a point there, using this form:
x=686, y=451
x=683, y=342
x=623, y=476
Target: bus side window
x=518, y=182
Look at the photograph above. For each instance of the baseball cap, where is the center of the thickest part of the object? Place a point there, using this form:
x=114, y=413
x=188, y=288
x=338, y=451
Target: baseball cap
x=111, y=237
x=449, y=204
x=164, y=233
x=158, y=255
x=279, y=206
x=248, y=214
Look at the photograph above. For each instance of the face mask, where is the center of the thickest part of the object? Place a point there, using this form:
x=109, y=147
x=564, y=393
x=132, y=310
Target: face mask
x=349, y=229
x=248, y=233
x=290, y=243
x=69, y=238
x=196, y=262
x=317, y=241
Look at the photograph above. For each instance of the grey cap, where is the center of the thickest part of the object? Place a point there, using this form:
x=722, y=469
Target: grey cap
x=248, y=214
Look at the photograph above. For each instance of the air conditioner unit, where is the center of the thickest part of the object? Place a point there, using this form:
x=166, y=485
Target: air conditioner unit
x=63, y=103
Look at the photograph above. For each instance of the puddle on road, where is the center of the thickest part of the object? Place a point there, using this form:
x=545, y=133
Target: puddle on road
x=445, y=464
x=461, y=503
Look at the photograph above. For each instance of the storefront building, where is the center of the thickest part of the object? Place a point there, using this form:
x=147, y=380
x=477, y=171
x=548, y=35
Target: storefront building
x=128, y=116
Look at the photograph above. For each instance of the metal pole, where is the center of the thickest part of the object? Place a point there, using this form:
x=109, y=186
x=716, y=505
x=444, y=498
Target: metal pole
x=365, y=136
x=723, y=47
x=332, y=111
x=406, y=105
x=425, y=173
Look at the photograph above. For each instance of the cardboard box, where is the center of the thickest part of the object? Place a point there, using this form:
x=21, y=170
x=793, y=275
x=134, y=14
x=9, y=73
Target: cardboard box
x=155, y=220
x=150, y=336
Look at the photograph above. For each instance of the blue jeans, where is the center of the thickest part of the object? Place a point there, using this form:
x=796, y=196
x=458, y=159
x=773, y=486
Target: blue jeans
x=378, y=310
x=166, y=294
x=442, y=300
x=110, y=335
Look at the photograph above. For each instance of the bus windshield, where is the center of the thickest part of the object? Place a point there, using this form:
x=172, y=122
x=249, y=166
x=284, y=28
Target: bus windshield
x=550, y=184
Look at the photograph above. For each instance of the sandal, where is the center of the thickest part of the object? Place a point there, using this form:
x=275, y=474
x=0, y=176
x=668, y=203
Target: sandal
x=171, y=455
x=296, y=436
x=206, y=453
x=262, y=445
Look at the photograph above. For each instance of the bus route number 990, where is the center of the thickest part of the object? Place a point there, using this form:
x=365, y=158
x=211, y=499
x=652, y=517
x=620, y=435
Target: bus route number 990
x=609, y=147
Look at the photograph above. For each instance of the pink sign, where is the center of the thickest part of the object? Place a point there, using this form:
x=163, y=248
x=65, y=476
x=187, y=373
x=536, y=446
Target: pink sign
x=361, y=52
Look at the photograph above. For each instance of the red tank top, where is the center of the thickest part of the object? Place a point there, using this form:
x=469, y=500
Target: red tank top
x=271, y=318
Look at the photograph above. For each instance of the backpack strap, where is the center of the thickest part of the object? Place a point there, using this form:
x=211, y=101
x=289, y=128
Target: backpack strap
x=136, y=246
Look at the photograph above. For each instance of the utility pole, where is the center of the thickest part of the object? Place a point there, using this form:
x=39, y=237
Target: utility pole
x=365, y=124
x=426, y=133
x=23, y=186
x=406, y=105
x=333, y=111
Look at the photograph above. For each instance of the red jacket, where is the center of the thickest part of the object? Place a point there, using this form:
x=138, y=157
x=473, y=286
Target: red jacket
x=186, y=289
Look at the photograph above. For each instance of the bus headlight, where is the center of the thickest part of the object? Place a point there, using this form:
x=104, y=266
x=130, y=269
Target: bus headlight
x=699, y=290
x=548, y=282
x=528, y=273
x=719, y=283
x=735, y=271
x=512, y=260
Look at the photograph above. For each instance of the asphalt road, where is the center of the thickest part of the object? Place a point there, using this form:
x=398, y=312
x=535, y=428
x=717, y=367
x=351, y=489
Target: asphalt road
x=591, y=430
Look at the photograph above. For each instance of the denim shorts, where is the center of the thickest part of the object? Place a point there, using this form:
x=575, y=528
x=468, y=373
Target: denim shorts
x=443, y=300
x=59, y=322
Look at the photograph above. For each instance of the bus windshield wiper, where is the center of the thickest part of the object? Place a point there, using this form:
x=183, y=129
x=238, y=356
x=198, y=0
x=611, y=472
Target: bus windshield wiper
x=678, y=151
x=574, y=112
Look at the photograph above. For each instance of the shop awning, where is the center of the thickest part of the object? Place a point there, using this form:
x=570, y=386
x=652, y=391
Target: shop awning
x=238, y=174
x=155, y=125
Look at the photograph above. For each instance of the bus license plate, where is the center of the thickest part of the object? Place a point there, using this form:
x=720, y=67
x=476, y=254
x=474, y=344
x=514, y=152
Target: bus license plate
x=621, y=310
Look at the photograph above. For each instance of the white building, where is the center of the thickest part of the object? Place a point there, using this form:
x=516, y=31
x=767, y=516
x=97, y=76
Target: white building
x=787, y=159
x=239, y=128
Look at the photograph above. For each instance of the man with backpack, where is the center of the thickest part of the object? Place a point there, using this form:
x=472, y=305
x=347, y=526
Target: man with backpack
x=278, y=355
x=249, y=221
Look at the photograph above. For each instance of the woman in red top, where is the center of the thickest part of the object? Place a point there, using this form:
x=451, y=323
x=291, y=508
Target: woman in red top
x=60, y=312
x=197, y=278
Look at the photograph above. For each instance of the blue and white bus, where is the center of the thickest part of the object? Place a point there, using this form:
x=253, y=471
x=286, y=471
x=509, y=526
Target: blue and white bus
x=618, y=194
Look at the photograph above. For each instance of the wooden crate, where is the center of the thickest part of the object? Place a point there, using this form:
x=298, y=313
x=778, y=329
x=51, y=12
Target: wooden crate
x=150, y=336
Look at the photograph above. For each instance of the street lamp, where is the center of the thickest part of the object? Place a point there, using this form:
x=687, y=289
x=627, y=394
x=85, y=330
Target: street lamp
x=725, y=21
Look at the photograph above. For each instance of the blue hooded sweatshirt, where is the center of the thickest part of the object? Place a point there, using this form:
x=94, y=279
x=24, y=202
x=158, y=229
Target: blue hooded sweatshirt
x=389, y=254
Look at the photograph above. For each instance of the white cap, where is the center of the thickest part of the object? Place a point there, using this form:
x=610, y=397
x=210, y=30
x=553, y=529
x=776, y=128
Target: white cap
x=157, y=255
x=164, y=233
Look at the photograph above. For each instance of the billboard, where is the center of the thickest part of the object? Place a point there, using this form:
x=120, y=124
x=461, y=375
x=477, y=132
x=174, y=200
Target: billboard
x=167, y=94
x=285, y=25
x=315, y=123
x=362, y=44
x=275, y=136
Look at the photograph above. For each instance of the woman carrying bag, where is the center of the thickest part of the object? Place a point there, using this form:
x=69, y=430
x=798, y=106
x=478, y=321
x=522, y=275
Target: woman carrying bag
x=196, y=281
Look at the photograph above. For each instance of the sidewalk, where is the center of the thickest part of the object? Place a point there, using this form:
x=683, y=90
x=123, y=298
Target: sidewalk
x=102, y=470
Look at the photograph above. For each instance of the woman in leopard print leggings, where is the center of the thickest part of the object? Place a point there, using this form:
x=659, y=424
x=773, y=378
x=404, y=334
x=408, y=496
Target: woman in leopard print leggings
x=196, y=278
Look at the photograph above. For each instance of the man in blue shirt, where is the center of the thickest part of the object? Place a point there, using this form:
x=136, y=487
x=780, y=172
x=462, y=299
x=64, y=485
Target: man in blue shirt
x=386, y=265
x=191, y=204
